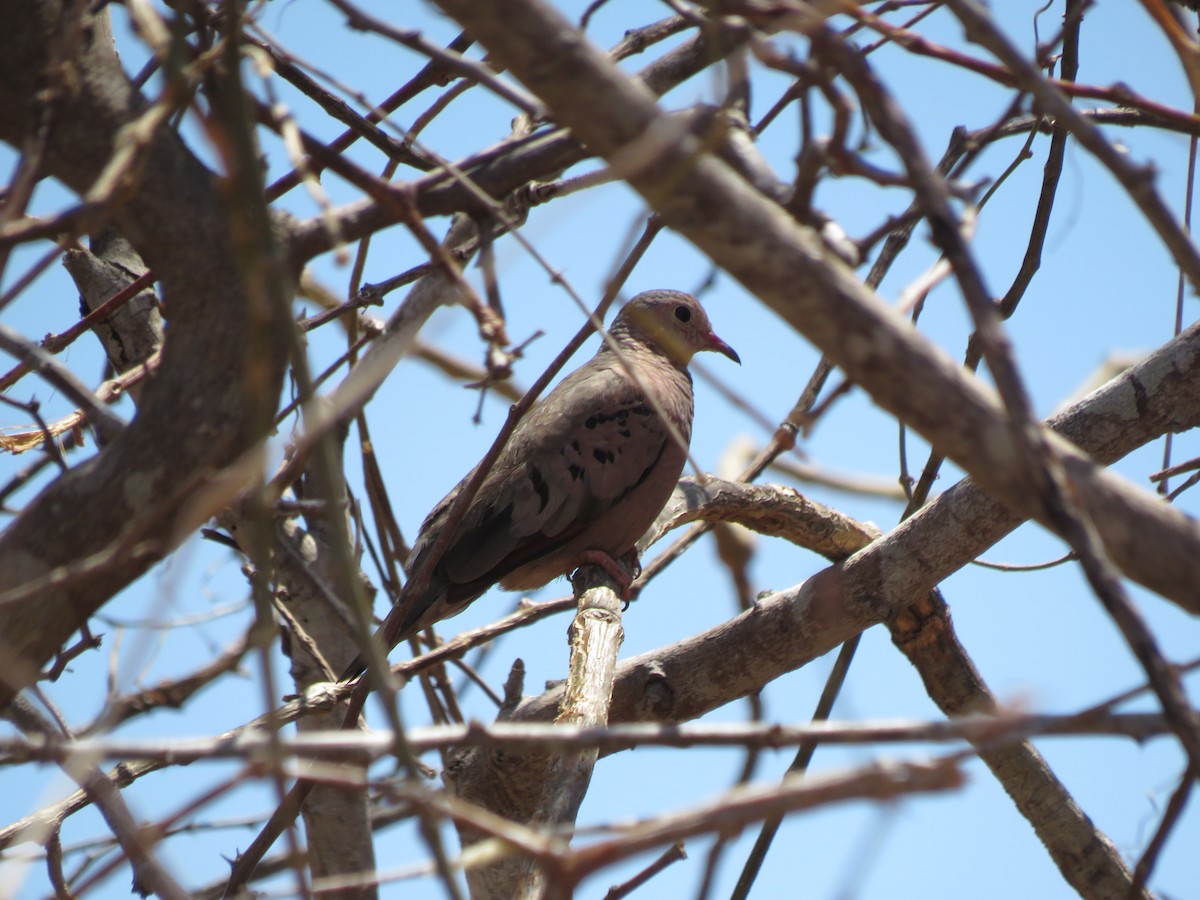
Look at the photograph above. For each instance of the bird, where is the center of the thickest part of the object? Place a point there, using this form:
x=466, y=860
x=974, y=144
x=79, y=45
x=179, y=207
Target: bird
x=584, y=474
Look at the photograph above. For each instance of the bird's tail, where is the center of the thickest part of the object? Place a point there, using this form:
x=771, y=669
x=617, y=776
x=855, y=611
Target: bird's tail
x=404, y=631
x=406, y=618
x=357, y=666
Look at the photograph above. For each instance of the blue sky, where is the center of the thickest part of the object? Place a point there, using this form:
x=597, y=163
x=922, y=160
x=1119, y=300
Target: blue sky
x=1041, y=639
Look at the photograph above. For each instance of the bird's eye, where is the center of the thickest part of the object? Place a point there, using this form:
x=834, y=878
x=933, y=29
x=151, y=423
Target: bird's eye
x=683, y=314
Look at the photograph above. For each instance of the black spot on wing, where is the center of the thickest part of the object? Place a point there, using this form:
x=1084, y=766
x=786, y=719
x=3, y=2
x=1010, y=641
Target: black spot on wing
x=621, y=417
x=538, y=546
x=539, y=485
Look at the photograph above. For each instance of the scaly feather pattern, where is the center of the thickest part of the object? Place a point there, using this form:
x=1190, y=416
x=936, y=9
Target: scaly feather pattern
x=583, y=475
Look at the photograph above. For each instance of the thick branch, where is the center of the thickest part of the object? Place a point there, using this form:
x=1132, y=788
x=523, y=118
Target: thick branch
x=771, y=509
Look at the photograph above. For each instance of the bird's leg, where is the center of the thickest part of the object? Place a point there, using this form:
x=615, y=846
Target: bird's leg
x=617, y=570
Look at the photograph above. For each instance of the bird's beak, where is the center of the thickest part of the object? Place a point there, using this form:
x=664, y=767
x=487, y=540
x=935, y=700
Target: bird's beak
x=717, y=345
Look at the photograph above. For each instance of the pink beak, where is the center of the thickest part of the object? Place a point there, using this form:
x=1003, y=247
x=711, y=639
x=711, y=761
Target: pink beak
x=714, y=343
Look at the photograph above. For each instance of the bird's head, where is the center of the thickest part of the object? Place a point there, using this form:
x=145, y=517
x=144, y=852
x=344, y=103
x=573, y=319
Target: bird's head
x=672, y=321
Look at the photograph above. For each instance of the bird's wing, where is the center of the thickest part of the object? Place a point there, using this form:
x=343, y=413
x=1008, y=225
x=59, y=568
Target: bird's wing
x=593, y=440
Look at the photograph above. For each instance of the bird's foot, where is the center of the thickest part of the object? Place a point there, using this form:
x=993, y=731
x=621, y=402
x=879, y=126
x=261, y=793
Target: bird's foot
x=632, y=563
x=623, y=572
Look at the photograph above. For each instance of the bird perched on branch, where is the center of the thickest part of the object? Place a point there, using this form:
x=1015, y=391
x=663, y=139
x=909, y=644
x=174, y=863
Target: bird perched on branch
x=582, y=477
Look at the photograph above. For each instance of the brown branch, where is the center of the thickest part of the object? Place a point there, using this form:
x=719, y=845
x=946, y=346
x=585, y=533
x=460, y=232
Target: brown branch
x=991, y=729
x=730, y=812
x=449, y=60
x=673, y=854
x=743, y=806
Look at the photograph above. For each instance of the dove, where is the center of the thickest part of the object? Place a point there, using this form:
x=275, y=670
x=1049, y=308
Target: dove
x=582, y=477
